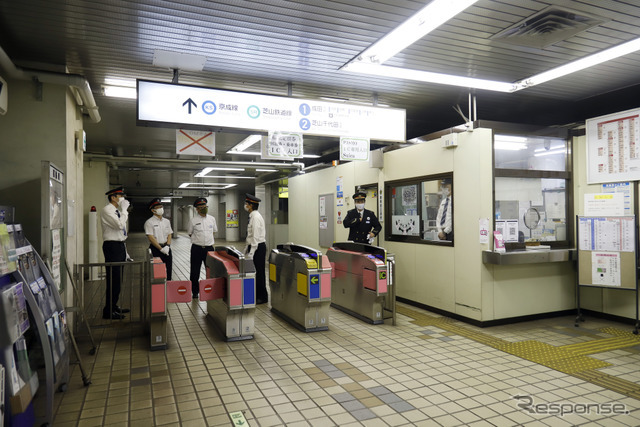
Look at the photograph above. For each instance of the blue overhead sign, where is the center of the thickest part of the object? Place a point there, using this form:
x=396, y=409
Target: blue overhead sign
x=181, y=105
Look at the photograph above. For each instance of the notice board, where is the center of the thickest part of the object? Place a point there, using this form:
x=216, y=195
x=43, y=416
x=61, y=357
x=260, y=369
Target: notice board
x=613, y=147
x=607, y=252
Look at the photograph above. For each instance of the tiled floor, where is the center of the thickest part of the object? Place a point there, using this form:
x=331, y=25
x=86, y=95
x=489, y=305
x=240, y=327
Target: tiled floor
x=427, y=370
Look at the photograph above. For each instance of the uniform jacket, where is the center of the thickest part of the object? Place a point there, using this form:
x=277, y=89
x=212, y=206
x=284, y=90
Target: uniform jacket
x=359, y=230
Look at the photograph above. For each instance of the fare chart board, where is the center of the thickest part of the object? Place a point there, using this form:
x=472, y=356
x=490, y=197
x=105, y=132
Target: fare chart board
x=168, y=104
x=606, y=251
x=613, y=147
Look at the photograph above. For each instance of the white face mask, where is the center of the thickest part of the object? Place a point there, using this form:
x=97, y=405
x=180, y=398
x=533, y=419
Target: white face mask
x=159, y=211
x=120, y=200
x=445, y=192
x=360, y=206
x=246, y=208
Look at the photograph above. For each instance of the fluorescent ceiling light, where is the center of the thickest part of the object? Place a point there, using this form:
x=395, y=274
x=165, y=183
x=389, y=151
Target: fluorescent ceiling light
x=311, y=156
x=429, y=18
x=506, y=145
x=557, y=147
x=245, y=143
x=228, y=177
x=510, y=138
x=245, y=153
x=205, y=171
x=426, y=76
x=120, y=92
x=266, y=170
x=206, y=186
x=551, y=152
x=581, y=64
x=112, y=81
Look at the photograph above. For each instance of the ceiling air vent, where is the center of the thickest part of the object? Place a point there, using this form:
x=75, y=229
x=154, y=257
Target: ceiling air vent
x=547, y=27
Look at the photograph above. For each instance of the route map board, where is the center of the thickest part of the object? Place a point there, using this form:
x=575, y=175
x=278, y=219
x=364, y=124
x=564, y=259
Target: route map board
x=613, y=147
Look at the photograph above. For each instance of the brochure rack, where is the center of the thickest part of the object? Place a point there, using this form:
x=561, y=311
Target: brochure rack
x=32, y=308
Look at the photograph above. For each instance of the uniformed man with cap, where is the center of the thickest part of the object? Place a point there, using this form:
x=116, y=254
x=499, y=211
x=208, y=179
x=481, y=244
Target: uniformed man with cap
x=363, y=224
x=200, y=229
x=158, y=230
x=256, y=245
x=444, y=222
x=114, y=233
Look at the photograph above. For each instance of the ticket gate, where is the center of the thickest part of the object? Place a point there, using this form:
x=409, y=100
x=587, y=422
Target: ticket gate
x=300, y=283
x=156, y=310
x=359, y=283
x=230, y=292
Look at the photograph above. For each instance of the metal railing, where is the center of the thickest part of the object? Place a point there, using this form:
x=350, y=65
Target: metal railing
x=92, y=285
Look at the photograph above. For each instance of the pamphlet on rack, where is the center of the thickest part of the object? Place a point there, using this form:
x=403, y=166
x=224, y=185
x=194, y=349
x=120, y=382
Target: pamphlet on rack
x=498, y=242
x=6, y=246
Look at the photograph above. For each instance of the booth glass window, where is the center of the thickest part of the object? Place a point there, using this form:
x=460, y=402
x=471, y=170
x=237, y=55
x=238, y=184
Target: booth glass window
x=532, y=190
x=419, y=210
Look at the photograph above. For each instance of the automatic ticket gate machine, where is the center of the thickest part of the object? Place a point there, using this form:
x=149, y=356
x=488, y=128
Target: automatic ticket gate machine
x=300, y=282
x=359, y=284
x=230, y=292
x=156, y=307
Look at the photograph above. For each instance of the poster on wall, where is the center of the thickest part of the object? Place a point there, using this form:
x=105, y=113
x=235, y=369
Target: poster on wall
x=232, y=218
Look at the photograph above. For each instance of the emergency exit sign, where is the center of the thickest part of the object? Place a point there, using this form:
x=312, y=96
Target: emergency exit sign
x=182, y=106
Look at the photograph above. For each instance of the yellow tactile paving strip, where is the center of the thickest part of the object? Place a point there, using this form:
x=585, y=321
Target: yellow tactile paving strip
x=571, y=359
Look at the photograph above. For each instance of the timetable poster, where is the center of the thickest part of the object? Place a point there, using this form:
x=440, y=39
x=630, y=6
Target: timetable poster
x=613, y=147
x=607, y=234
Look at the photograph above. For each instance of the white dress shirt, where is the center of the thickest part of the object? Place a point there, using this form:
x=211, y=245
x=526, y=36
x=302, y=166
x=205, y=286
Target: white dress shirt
x=114, y=223
x=201, y=229
x=160, y=228
x=447, y=226
x=256, y=231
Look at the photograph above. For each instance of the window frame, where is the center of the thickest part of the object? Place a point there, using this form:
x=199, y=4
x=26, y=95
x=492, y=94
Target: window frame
x=566, y=175
x=388, y=223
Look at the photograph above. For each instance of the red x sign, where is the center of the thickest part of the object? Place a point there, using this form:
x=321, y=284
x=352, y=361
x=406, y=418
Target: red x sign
x=200, y=143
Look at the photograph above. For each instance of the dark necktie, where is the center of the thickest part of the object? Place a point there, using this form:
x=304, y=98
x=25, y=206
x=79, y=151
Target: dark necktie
x=444, y=211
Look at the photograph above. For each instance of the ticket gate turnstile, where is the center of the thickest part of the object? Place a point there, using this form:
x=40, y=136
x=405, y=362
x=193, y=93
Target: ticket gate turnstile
x=359, y=282
x=300, y=284
x=233, y=278
x=156, y=310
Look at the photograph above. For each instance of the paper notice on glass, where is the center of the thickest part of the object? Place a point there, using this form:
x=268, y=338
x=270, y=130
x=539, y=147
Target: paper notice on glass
x=483, y=224
x=605, y=268
x=56, y=251
x=603, y=204
x=323, y=207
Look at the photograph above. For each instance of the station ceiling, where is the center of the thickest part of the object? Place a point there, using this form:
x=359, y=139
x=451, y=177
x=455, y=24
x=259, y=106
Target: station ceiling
x=298, y=47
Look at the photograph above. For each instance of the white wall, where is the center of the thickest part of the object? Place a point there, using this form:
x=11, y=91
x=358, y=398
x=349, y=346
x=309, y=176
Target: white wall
x=32, y=131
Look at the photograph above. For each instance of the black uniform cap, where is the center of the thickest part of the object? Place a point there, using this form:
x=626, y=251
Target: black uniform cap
x=155, y=203
x=115, y=191
x=251, y=198
x=359, y=195
x=200, y=201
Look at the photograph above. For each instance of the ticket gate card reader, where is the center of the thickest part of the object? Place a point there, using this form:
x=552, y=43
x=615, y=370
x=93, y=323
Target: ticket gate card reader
x=300, y=283
x=359, y=282
x=233, y=277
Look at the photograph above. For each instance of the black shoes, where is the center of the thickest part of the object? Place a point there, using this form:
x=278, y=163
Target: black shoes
x=261, y=301
x=115, y=315
x=122, y=310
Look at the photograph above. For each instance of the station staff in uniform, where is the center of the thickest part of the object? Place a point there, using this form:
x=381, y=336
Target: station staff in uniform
x=256, y=245
x=114, y=233
x=444, y=224
x=200, y=229
x=158, y=231
x=363, y=224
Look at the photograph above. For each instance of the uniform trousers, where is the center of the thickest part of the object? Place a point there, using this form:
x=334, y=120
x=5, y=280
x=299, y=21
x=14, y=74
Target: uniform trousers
x=198, y=256
x=113, y=251
x=167, y=259
x=258, y=261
